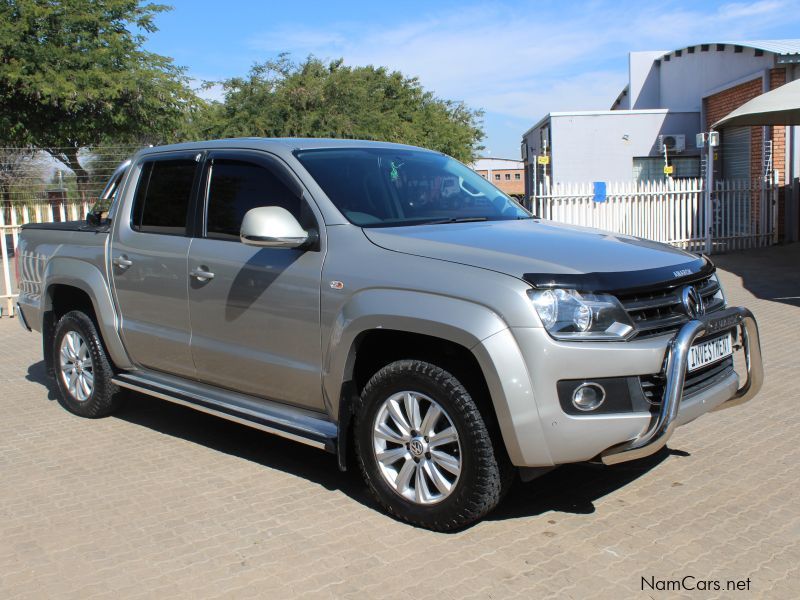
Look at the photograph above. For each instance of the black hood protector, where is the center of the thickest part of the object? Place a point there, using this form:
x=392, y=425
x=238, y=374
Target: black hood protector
x=629, y=282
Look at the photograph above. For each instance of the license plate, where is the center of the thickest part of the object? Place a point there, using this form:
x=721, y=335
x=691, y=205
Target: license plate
x=705, y=353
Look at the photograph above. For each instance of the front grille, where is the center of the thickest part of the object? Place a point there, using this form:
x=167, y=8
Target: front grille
x=697, y=381
x=659, y=312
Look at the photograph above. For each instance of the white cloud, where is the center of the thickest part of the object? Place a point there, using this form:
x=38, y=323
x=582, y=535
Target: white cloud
x=205, y=89
x=740, y=10
x=524, y=60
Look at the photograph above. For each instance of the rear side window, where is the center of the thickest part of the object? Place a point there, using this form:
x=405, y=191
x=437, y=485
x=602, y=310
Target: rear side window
x=237, y=186
x=163, y=195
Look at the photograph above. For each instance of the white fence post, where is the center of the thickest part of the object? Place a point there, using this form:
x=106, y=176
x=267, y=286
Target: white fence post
x=8, y=295
x=28, y=214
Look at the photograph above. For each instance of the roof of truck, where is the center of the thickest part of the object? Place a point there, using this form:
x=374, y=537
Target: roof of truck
x=286, y=144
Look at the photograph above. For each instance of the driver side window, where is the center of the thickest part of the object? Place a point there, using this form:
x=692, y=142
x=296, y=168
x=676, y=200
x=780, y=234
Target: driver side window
x=236, y=186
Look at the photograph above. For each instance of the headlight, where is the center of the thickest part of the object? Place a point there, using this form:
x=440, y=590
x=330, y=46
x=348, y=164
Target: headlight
x=719, y=295
x=572, y=315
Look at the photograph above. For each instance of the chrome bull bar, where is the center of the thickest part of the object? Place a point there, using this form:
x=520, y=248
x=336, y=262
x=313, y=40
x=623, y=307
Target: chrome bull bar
x=658, y=434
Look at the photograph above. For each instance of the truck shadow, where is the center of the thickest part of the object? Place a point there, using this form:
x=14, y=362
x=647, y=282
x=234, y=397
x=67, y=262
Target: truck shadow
x=37, y=373
x=574, y=488
x=569, y=489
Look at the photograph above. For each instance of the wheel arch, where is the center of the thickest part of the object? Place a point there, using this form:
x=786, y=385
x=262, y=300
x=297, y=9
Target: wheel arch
x=379, y=326
x=78, y=285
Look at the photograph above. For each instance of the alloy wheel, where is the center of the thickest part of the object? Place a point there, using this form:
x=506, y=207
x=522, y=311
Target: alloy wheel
x=417, y=447
x=77, y=369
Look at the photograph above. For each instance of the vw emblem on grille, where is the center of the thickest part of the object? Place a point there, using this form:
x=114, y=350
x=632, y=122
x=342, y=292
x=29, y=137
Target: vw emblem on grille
x=692, y=302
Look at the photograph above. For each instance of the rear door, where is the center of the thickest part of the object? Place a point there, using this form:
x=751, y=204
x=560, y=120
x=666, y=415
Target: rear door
x=149, y=251
x=255, y=315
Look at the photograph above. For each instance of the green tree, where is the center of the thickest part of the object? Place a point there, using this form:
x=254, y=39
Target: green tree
x=313, y=99
x=73, y=74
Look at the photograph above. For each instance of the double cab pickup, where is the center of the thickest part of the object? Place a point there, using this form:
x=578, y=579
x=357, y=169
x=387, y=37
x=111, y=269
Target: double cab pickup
x=384, y=303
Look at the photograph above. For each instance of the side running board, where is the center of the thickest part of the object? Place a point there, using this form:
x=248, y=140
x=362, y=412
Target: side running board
x=293, y=423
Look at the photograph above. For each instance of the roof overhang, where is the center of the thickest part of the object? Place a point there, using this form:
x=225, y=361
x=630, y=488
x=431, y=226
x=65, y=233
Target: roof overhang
x=780, y=106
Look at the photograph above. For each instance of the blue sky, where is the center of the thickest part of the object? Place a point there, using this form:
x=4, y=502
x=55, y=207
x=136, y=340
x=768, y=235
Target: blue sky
x=515, y=60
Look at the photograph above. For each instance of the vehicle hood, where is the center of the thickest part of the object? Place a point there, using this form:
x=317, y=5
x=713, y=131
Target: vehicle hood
x=547, y=254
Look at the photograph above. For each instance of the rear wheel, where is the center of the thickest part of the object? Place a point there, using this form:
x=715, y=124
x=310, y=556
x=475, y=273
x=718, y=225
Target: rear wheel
x=83, y=371
x=423, y=447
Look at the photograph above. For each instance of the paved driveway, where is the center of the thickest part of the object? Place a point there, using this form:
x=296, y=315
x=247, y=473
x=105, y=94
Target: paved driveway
x=161, y=501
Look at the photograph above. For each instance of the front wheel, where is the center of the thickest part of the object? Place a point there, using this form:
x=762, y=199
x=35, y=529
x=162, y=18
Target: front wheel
x=424, y=449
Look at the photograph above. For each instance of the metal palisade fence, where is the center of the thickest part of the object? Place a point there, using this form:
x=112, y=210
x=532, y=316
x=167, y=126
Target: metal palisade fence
x=743, y=213
x=35, y=187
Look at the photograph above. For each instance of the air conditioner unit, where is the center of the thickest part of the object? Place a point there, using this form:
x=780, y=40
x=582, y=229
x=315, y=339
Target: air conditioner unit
x=672, y=142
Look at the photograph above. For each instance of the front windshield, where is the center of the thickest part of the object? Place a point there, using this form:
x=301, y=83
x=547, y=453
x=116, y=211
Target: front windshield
x=380, y=187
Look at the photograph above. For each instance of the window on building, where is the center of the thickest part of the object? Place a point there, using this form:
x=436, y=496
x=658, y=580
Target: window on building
x=497, y=177
x=735, y=150
x=235, y=188
x=517, y=176
x=162, y=196
x=651, y=168
x=508, y=176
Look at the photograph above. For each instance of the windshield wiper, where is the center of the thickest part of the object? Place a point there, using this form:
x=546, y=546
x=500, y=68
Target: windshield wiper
x=457, y=220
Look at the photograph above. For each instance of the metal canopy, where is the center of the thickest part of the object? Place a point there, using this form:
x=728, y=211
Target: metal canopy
x=780, y=106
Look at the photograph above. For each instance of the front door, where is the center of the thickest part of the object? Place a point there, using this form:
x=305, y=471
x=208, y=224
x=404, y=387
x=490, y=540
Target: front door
x=255, y=312
x=148, y=256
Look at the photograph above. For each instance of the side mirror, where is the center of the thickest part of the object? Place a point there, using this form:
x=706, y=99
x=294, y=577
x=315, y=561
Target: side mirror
x=93, y=219
x=272, y=227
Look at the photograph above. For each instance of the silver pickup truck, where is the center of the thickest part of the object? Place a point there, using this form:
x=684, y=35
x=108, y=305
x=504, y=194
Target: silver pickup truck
x=383, y=302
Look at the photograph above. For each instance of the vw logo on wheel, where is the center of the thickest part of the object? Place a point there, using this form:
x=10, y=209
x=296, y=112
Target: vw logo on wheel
x=692, y=302
x=416, y=447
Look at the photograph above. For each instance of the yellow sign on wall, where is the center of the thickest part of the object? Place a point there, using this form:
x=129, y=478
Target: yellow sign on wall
x=543, y=160
x=668, y=170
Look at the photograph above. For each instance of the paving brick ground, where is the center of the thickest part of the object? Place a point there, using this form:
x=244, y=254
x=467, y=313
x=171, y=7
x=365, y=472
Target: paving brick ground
x=161, y=501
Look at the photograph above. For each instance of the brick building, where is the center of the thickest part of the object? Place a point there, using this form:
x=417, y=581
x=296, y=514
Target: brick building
x=670, y=97
x=747, y=152
x=505, y=173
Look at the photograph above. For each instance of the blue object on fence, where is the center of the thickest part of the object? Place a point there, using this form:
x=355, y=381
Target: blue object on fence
x=599, y=191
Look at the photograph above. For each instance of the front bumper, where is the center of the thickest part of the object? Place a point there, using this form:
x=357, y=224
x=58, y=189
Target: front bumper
x=523, y=365
x=657, y=435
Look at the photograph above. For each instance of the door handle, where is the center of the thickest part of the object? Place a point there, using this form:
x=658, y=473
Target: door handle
x=201, y=274
x=122, y=262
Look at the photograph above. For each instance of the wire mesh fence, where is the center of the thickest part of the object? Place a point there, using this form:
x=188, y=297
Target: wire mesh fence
x=37, y=187
x=29, y=174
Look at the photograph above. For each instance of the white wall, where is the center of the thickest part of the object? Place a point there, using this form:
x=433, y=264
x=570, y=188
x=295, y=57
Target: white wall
x=601, y=146
x=644, y=88
x=685, y=79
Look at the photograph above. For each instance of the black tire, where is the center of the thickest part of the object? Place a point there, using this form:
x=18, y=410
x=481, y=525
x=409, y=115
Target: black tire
x=480, y=484
x=105, y=397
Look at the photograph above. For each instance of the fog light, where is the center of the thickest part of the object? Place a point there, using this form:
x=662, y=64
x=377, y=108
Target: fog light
x=588, y=396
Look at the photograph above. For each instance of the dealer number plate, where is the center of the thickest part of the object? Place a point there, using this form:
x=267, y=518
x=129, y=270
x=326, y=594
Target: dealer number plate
x=705, y=353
